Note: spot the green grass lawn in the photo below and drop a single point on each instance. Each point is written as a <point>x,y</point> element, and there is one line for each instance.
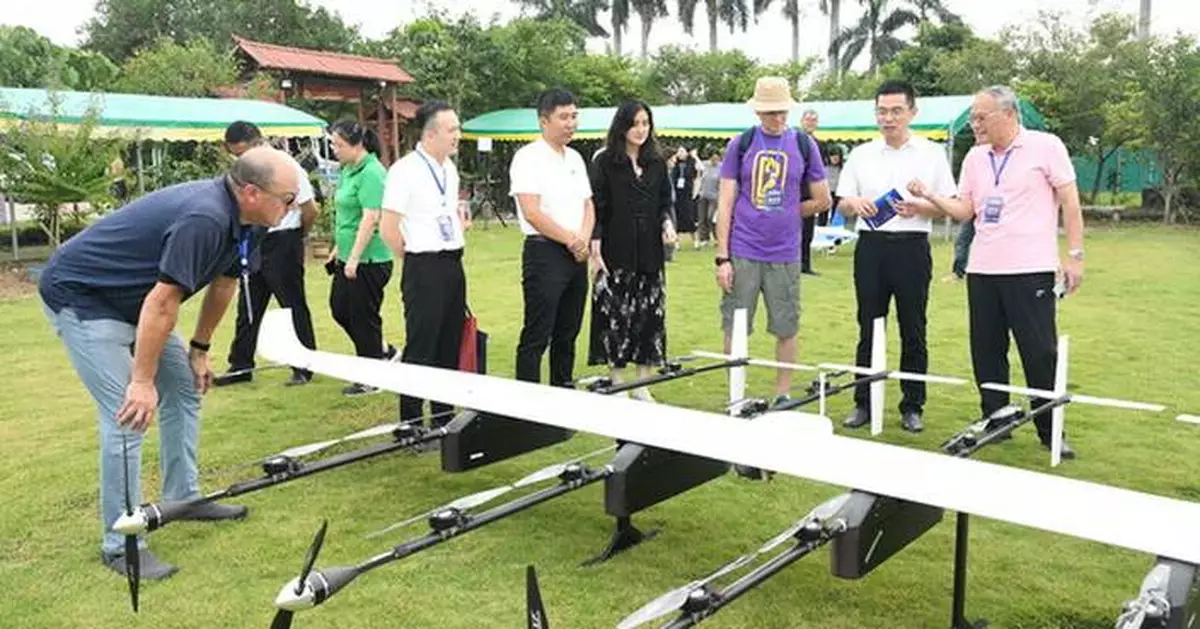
<point>1133,335</point>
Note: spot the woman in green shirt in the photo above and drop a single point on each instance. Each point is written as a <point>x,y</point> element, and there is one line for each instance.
<point>360,262</point>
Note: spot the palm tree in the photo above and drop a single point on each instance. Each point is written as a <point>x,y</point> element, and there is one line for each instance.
<point>585,13</point>
<point>936,8</point>
<point>1144,20</point>
<point>620,21</point>
<point>791,10</point>
<point>875,32</point>
<point>648,11</point>
<point>735,13</point>
<point>833,8</point>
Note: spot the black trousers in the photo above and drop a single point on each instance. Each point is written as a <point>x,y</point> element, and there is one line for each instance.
<point>1025,305</point>
<point>806,235</point>
<point>281,276</point>
<point>355,304</point>
<point>434,290</point>
<point>555,290</point>
<point>898,265</point>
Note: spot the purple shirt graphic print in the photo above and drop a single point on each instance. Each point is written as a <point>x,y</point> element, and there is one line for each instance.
<point>766,212</point>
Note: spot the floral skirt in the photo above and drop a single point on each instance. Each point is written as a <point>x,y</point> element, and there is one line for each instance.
<point>628,319</point>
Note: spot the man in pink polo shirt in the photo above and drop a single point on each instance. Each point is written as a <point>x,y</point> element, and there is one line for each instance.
<point>1012,184</point>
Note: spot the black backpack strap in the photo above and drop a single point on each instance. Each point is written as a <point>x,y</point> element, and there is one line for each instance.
<point>744,142</point>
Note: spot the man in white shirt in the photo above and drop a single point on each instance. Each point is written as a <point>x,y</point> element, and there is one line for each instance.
<point>281,273</point>
<point>423,223</point>
<point>554,206</point>
<point>892,257</point>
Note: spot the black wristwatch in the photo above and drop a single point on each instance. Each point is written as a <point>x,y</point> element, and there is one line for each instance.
<point>198,346</point>
<point>720,260</point>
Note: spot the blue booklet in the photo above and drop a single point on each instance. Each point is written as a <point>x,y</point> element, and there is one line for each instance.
<point>884,210</point>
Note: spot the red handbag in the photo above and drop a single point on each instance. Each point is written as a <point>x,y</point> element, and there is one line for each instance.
<point>472,351</point>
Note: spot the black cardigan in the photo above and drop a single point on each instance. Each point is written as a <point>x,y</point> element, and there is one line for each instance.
<point>630,211</point>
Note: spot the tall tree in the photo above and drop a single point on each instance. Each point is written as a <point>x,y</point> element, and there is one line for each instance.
<point>1169,104</point>
<point>935,8</point>
<point>791,11</point>
<point>169,69</point>
<point>122,27</point>
<point>585,13</point>
<point>734,13</point>
<point>620,21</point>
<point>874,32</point>
<point>649,11</point>
<point>833,9</point>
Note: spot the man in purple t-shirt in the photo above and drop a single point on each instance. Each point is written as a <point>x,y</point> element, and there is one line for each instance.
<point>759,214</point>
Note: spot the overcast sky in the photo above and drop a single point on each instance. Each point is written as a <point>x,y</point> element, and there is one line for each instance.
<point>769,40</point>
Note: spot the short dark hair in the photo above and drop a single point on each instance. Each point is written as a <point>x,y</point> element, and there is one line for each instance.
<point>427,112</point>
<point>897,87</point>
<point>552,99</point>
<point>242,131</point>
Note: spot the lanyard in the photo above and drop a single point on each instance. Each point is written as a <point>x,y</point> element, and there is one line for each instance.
<point>1003,163</point>
<point>440,184</point>
<point>244,256</point>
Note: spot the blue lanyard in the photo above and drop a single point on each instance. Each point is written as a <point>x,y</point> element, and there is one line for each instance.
<point>1003,163</point>
<point>244,256</point>
<point>441,186</point>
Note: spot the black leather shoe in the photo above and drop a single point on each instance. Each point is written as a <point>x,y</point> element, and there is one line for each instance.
<point>232,377</point>
<point>911,421</point>
<point>859,418</point>
<point>1066,451</point>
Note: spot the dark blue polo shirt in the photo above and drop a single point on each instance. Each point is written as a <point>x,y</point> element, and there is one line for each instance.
<point>186,235</point>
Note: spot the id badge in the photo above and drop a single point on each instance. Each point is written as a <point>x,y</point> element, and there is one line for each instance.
<point>679,184</point>
<point>773,200</point>
<point>992,208</point>
<point>446,228</point>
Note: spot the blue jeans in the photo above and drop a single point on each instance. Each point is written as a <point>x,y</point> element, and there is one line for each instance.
<point>101,351</point>
<point>962,247</point>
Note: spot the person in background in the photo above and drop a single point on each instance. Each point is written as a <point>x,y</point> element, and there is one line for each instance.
<point>281,272</point>
<point>360,262</point>
<point>632,194</point>
<point>833,173</point>
<point>706,205</point>
<point>684,172</point>
<point>809,121</point>
<point>423,224</point>
<point>549,181</point>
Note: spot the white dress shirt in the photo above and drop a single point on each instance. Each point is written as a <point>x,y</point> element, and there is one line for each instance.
<point>874,168</point>
<point>560,179</point>
<point>425,195</point>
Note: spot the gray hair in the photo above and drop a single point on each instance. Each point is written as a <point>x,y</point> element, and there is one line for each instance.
<point>808,111</point>
<point>1005,97</point>
<point>258,166</point>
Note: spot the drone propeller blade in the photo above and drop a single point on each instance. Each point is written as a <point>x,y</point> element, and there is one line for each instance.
<point>923,377</point>
<point>462,504</point>
<point>553,471</point>
<point>674,599</point>
<point>854,369</point>
<point>534,608</point>
<point>474,500</point>
<point>1083,399</point>
<point>1191,419</point>
<point>311,557</point>
<point>754,361</point>
<point>282,620</point>
<point>283,617</point>
<point>820,513</point>
<point>133,560</point>
<point>313,448</point>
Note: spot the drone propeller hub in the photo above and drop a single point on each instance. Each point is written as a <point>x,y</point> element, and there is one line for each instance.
<point>405,431</point>
<point>811,531</point>
<point>572,472</point>
<point>135,523</point>
<point>280,465</point>
<point>291,600</point>
<point>445,519</point>
<point>698,600</point>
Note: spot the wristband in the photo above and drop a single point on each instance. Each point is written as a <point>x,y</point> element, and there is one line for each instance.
<point>198,346</point>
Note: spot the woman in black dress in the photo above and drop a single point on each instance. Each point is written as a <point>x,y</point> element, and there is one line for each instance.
<point>683,176</point>
<point>632,194</point>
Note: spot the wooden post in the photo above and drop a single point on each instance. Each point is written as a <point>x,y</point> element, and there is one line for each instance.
<point>380,125</point>
<point>395,124</point>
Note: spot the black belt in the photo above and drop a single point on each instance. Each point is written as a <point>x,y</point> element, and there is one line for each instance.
<point>893,236</point>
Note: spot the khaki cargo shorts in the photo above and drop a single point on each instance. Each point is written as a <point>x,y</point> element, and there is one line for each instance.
<point>779,283</point>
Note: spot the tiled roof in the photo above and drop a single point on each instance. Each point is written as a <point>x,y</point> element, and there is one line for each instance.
<point>277,57</point>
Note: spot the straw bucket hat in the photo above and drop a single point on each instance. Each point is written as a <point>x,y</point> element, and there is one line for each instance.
<point>771,93</point>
